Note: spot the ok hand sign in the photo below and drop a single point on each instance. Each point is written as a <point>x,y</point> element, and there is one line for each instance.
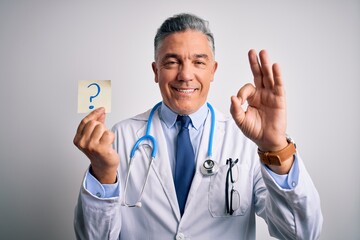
<point>264,120</point>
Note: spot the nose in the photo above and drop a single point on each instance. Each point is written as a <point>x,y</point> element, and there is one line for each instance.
<point>186,72</point>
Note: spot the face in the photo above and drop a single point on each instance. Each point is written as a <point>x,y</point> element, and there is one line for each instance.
<point>184,69</point>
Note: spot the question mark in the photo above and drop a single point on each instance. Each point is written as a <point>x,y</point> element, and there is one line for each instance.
<point>97,93</point>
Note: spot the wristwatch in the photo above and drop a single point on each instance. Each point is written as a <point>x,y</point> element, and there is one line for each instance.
<point>276,158</point>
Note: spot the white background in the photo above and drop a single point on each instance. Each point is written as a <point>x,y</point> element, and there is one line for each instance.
<point>47,46</point>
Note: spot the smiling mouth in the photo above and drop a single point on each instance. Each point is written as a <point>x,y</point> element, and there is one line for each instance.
<point>186,90</point>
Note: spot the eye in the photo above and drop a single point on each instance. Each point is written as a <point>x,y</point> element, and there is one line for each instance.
<point>171,63</point>
<point>200,63</point>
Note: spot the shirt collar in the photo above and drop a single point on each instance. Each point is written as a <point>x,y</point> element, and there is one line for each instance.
<point>169,117</point>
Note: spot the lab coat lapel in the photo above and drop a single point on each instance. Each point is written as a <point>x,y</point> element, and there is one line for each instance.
<point>161,164</point>
<point>203,155</point>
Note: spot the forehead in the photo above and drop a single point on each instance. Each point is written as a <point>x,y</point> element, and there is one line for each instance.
<point>186,42</point>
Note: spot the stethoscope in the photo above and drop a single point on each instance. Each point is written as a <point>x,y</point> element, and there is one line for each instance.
<point>208,168</point>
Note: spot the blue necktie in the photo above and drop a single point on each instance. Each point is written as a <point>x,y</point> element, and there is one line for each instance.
<point>185,162</point>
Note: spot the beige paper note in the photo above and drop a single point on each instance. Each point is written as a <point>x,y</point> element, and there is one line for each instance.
<point>93,94</point>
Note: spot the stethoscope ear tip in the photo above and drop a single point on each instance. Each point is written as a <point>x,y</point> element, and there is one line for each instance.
<point>138,204</point>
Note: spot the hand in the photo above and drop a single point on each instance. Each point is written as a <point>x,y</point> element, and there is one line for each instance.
<point>264,120</point>
<point>95,141</point>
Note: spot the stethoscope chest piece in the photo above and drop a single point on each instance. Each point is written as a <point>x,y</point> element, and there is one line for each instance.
<point>209,167</point>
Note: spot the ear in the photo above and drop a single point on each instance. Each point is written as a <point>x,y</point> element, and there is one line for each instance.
<point>214,69</point>
<point>155,70</point>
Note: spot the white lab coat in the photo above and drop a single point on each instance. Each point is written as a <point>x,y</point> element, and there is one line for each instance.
<point>290,214</point>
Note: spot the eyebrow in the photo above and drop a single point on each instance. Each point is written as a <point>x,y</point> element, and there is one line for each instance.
<point>170,55</point>
<point>177,56</point>
<point>202,55</point>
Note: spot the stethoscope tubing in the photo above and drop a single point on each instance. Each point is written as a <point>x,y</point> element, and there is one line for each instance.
<point>212,128</point>
<point>149,137</point>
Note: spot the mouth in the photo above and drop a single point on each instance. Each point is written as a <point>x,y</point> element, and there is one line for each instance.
<point>186,91</point>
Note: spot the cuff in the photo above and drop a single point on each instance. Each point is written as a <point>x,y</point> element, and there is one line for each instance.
<point>286,181</point>
<point>100,190</point>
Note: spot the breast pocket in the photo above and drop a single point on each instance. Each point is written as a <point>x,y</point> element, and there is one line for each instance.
<point>241,185</point>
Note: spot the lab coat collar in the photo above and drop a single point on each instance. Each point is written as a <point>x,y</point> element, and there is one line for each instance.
<point>169,117</point>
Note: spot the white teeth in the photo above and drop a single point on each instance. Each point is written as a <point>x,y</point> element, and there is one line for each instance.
<point>186,90</point>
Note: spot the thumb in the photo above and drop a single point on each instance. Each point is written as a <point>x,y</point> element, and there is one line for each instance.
<point>101,118</point>
<point>236,110</point>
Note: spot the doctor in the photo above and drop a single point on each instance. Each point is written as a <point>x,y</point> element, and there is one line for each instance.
<point>258,170</point>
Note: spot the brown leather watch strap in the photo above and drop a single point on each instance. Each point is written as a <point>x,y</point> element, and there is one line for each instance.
<point>276,158</point>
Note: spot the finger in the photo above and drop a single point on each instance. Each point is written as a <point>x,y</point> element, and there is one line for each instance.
<point>277,75</point>
<point>97,114</point>
<point>108,137</point>
<point>279,85</point>
<point>255,68</point>
<point>266,69</point>
<point>98,132</point>
<point>236,110</point>
<point>86,136</point>
<point>102,117</point>
<point>246,92</point>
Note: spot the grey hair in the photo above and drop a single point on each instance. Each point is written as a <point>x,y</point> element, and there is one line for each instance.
<point>180,23</point>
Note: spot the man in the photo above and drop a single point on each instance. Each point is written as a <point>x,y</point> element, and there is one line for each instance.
<point>214,205</point>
